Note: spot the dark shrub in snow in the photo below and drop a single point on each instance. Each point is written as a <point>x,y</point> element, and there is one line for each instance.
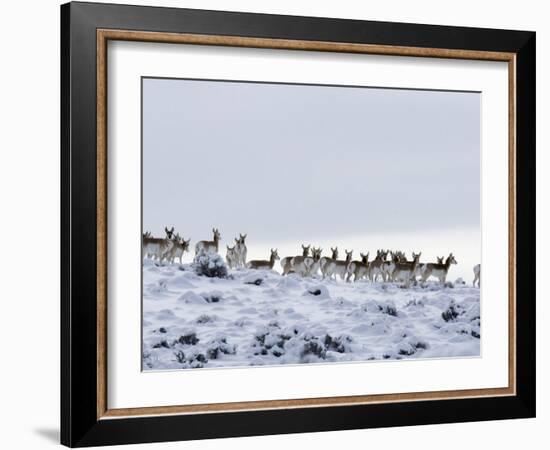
<point>421,345</point>
<point>188,339</point>
<point>452,312</point>
<point>180,356</point>
<point>193,360</point>
<point>314,347</point>
<point>209,265</point>
<point>163,344</point>
<point>212,297</point>
<point>204,318</point>
<point>219,346</point>
<point>415,302</point>
<point>407,351</point>
<point>338,344</point>
<point>411,347</point>
<point>388,309</point>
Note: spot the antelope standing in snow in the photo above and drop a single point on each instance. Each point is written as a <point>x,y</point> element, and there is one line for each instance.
<point>421,267</point>
<point>439,271</point>
<point>178,249</point>
<point>477,274</point>
<point>259,264</point>
<point>358,269</point>
<point>231,257</point>
<point>209,246</point>
<point>337,267</point>
<point>240,250</point>
<point>158,246</point>
<point>387,267</point>
<point>148,234</point>
<point>375,267</point>
<point>404,270</point>
<point>325,260</point>
<point>286,262</point>
<point>312,262</point>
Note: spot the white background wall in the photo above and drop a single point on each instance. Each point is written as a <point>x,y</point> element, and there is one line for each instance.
<point>29,199</point>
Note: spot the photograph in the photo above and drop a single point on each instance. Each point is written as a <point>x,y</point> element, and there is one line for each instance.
<point>287,223</point>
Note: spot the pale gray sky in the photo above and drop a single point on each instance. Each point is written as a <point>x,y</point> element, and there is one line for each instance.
<point>292,163</point>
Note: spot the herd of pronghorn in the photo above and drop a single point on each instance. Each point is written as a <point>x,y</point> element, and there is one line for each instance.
<point>310,262</point>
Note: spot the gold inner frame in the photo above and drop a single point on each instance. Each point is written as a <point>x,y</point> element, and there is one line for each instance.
<point>104,35</point>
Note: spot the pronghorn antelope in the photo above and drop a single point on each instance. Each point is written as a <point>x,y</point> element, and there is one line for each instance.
<point>337,267</point>
<point>178,249</point>
<point>375,267</point>
<point>477,274</point>
<point>325,260</point>
<point>299,264</point>
<point>240,250</point>
<point>359,269</point>
<point>158,246</point>
<point>259,264</point>
<point>209,246</point>
<point>387,266</point>
<point>148,234</point>
<point>312,262</point>
<point>439,270</point>
<point>405,270</point>
<point>421,267</point>
<point>286,262</point>
<point>231,257</point>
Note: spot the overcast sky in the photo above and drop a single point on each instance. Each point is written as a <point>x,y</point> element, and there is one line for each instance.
<point>294,163</point>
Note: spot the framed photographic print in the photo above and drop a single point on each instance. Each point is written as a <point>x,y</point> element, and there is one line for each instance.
<point>277,224</point>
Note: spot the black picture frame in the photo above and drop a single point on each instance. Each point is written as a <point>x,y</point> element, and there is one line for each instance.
<point>80,425</point>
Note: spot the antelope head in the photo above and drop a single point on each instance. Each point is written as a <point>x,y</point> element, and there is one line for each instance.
<point>274,255</point>
<point>305,250</point>
<point>440,259</point>
<point>185,244</point>
<point>169,233</point>
<point>364,258</point>
<point>349,255</point>
<point>217,235</point>
<point>316,253</point>
<point>334,252</point>
<point>451,259</point>
<point>416,256</point>
<point>242,237</point>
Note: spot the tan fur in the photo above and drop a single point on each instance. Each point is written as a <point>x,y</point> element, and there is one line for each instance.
<point>287,263</point>
<point>323,262</point>
<point>439,271</point>
<point>263,264</point>
<point>358,269</point>
<point>337,267</point>
<point>209,246</point>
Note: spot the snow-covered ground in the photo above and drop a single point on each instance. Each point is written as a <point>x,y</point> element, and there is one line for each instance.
<point>262,318</point>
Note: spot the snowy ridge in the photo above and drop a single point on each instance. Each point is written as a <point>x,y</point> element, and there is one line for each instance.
<point>262,318</point>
